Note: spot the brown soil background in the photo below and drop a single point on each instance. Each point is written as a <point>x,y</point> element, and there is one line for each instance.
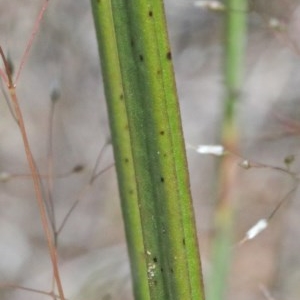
<point>91,246</point>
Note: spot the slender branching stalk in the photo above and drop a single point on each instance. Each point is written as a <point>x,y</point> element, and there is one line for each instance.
<point>31,39</point>
<point>35,176</point>
<point>6,75</point>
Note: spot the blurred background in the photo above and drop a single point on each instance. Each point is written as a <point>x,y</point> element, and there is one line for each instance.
<point>63,65</point>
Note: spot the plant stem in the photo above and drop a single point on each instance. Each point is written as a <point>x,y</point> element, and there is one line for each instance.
<point>149,149</point>
<point>235,39</point>
<point>35,178</point>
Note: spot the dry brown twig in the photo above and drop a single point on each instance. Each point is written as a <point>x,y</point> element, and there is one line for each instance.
<point>262,224</point>
<point>11,86</point>
<point>46,207</point>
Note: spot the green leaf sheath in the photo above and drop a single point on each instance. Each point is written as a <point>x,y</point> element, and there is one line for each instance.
<point>149,149</point>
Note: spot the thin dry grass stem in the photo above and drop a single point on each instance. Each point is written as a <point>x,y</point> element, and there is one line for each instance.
<point>284,199</point>
<point>246,164</point>
<point>7,100</point>
<point>76,169</point>
<point>218,150</point>
<point>50,177</point>
<point>46,208</point>
<point>102,172</point>
<point>35,176</point>
<point>98,160</point>
<point>87,187</point>
<point>263,223</point>
<point>31,39</point>
<point>3,76</point>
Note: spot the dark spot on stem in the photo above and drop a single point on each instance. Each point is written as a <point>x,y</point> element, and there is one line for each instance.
<point>126,160</point>
<point>169,55</point>
<point>121,97</point>
<point>158,72</point>
<point>141,57</point>
<point>155,259</point>
<point>155,282</point>
<point>183,242</point>
<point>150,13</point>
<point>162,270</point>
<point>132,42</point>
<point>162,179</point>
<point>161,132</point>
<point>172,271</point>
<point>131,192</point>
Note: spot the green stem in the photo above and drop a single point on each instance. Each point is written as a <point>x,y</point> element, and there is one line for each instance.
<point>149,149</point>
<point>235,39</point>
